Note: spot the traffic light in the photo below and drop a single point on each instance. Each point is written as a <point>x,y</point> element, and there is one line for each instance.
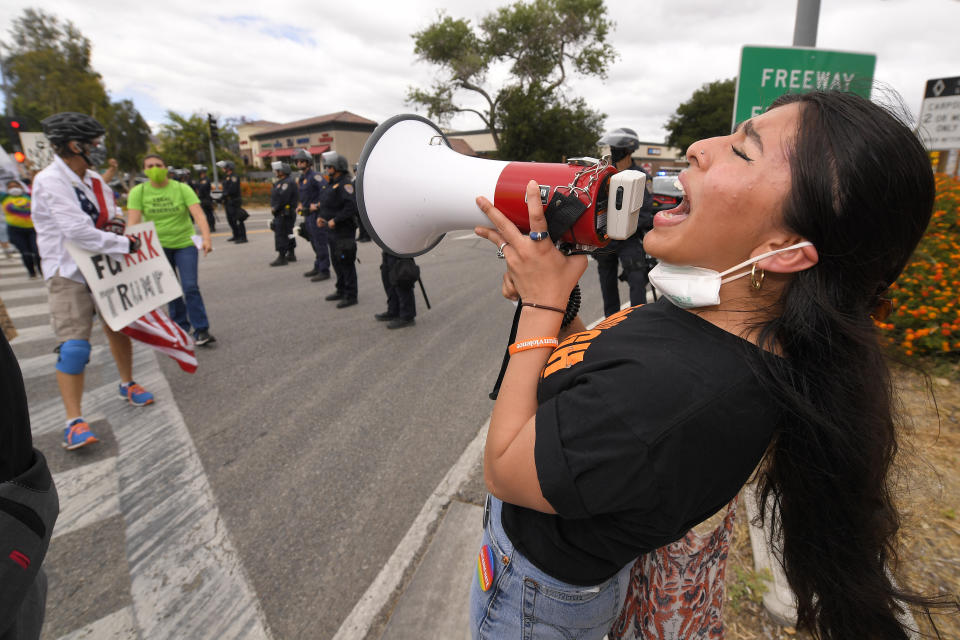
<point>12,126</point>
<point>213,128</point>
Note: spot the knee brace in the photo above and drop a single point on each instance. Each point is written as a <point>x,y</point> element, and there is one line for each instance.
<point>74,356</point>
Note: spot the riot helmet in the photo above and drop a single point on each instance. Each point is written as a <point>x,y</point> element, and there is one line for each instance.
<point>281,167</point>
<point>335,160</point>
<point>226,165</point>
<point>302,155</point>
<point>200,168</point>
<point>622,142</point>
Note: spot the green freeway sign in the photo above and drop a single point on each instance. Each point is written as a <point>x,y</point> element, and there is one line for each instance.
<point>769,72</point>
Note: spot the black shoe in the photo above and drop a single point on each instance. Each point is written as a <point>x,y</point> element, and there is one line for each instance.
<point>320,277</point>
<point>336,295</point>
<point>386,315</point>
<point>400,323</point>
<point>204,338</point>
<point>291,257</point>
<point>348,302</point>
<point>231,239</point>
<point>241,240</point>
<point>363,239</point>
<point>311,273</point>
<point>279,262</point>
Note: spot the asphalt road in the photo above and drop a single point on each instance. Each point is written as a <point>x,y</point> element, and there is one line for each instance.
<point>322,432</point>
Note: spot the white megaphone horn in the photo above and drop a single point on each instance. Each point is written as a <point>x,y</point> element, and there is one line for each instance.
<point>412,188</point>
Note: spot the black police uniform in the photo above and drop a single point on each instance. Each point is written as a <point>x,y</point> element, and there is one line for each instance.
<point>309,185</point>
<point>283,204</point>
<point>401,301</point>
<point>232,203</point>
<point>338,203</point>
<point>206,201</point>
<point>630,255</point>
<point>362,234</point>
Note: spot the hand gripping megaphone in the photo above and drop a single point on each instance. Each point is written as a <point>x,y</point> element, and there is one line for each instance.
<point>412,188</point>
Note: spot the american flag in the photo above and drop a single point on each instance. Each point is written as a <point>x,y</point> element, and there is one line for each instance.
<point>164,335</point>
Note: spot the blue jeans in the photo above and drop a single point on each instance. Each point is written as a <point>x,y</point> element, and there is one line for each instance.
<point>526,603</point>
<point>184,263</point>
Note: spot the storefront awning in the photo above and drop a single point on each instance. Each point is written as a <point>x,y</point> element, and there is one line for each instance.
<point>319,149</point>
<point>263,154</point>
<point>283,153</point>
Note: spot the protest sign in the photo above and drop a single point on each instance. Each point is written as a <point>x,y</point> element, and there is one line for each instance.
<point>132,286</point>
<point>37,148</point>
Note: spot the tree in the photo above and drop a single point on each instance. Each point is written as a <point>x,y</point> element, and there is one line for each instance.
<point>706,114</point>
<point>48,70</point>
<point>184,141</point>
<point>47,67</point>
<point>128,135</point>
<point>541,40</point>
<point>540,127</point>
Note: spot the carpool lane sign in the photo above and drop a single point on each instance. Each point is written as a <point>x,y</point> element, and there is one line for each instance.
<point>940,114</point>
<point>767,73</point>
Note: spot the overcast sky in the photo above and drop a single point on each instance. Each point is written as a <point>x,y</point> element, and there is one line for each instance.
<point>290,60</point>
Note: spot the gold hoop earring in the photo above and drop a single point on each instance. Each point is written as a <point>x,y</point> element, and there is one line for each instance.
<point>754,281</point>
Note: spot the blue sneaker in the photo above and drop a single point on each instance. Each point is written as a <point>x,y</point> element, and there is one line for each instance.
<point>77,435</point>
<point>135,394</point>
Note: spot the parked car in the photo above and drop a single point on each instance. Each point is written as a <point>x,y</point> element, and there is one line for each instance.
<point>665,193</point>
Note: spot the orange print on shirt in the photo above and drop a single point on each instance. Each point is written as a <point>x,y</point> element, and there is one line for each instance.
<point>570,351</point>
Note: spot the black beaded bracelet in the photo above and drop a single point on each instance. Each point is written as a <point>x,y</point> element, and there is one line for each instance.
<point>542,306</point>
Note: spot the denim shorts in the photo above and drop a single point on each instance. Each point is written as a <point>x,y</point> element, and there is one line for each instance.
<point>526,603</point>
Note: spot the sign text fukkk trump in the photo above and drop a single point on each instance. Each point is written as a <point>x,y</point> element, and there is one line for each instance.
<point>130,286</point>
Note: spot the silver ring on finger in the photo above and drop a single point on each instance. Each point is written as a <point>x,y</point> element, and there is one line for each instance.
<point>500,250</point>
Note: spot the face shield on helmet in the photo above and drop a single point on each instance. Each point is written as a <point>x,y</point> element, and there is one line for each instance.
<point>622,142</point>
<point>332,159</point>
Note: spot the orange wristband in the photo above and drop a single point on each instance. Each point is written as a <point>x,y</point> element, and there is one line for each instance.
<point>533,343</point>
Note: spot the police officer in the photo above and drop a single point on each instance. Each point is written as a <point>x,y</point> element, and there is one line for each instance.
<point>283,204</point>
<point>309,184</point>
<point>233,202</point>
<point>203,189</point>
<point>362,234</point>
<point>338,210</point>
<point>398,276</point>
<point>628,253</point>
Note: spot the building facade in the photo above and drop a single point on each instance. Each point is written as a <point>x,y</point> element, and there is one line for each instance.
<point>343,132</point>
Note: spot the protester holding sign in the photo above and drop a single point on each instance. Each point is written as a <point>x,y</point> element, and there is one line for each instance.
<point>170,205</point>
<point>71,203</point>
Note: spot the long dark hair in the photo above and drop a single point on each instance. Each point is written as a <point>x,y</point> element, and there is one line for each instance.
<point>862,191</point>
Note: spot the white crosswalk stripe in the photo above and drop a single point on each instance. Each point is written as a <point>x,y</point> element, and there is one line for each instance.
<point>87,494</point>
<point>17,294</point>
<point>24,311</point>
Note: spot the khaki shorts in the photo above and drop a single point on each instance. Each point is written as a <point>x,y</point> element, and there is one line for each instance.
<point>71,309</point>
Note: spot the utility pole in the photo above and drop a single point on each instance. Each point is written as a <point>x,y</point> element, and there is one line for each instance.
<point>805,27</point>
<point>213,138</point>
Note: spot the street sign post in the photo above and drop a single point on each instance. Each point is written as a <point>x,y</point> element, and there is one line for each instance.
<point>767,73</point>
<point>940,114</point>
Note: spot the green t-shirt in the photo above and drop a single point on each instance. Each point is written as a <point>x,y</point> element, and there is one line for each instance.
<point>167,207</point>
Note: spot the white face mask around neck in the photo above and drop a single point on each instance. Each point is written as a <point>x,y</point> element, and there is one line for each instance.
<point>692,287</point>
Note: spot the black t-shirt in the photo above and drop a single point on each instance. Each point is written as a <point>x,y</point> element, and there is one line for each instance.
<point>647,425</point>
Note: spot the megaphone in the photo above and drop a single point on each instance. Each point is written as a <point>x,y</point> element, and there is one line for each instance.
<point>412,188</point>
